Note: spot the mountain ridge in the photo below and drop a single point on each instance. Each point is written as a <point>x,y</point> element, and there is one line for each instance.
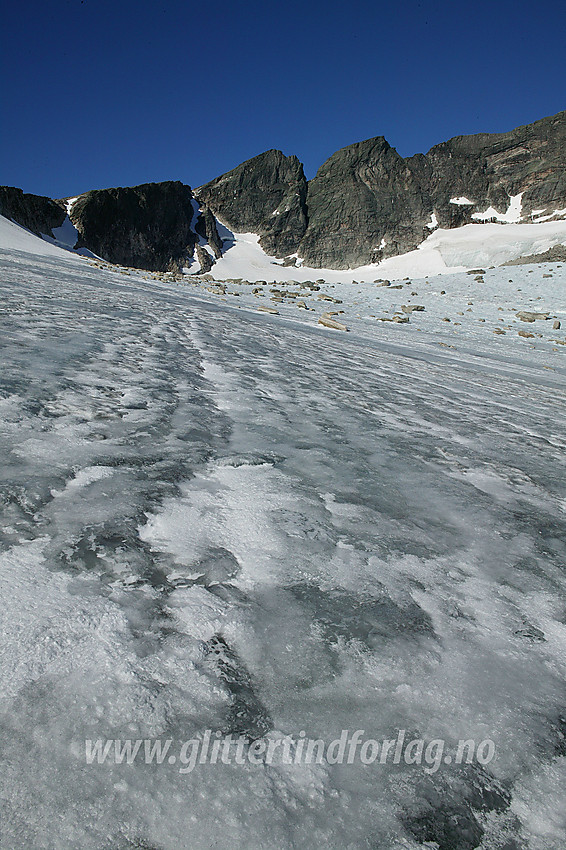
<point>365,203</point>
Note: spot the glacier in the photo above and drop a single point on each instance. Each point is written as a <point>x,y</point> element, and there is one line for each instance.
<point>219,519</point>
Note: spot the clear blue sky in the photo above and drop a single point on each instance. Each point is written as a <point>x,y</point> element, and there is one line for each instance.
<point>97,93</point>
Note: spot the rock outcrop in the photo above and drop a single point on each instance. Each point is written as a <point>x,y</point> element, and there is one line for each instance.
<point>363,205</point>
<point>205,260</point>
<point>489,168</point>
<point>146,226</point>
<point>367,202</point>
<point>206,227</point>
<point>36,212</point>
<point>265,195</point>
<point>556,254</point>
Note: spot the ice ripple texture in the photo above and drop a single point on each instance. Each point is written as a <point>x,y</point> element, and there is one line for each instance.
<point>214,520</point>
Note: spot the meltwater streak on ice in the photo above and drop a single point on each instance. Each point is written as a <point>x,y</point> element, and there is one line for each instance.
<point>329,539</point>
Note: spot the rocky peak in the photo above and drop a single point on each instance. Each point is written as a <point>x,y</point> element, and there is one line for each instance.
<point>489,168</point>
<point>146,226</point>
<point>36,212</point>
<point>206,228</point>
<point>363,204</point>
<point>264,195</point>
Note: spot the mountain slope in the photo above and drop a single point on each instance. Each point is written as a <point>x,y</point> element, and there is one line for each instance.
<point>34,212</point>
<point>365,205</point>
<point>489,168</point>
<point>266,195</point>
<point>147,226</point>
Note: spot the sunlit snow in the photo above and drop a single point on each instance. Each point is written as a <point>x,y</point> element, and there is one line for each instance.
<point>443,252</point>
<point>510,216</point>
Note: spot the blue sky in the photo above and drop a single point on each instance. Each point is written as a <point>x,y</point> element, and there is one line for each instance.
<point>98,93</point>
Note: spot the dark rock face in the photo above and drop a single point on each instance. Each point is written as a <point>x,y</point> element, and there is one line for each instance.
<point>363,194</point>
<point>490,167</point>
<point>367,202</point>
<point>206,227</point>
<point>264,195</point>
<point>37,213</point>
<point>147,226</point>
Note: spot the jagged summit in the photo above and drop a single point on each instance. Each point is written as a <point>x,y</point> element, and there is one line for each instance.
<point>266,195</point>
<point>365,204</point>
